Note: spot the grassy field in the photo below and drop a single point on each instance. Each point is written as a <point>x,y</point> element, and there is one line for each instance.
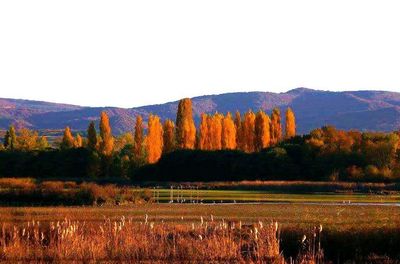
<point>349,231</point>
<point>355,224</point>
<point>331,216</point>
<point>218,196</point>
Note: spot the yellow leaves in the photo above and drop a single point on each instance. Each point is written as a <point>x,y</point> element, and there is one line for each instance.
<point>67,140</point>
<point>204,137</point>
<point>276,126</point>
<point>107,140</point>
<point>290,124</point>
<point>248,126</point>
<point>27,140</point>
<point>228,133</point>
<point>168,136</point>
<point>138,145</point>
<point>154,140</point>
<point>217,132</point>
<point>185,128</point>
<point>262,131</point>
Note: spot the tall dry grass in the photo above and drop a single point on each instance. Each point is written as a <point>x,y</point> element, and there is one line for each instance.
<point>129,241</point>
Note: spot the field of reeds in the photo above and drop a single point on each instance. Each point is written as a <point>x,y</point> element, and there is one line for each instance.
<point>124,240</point>
<point>186,222</point>
<point>206,233</point>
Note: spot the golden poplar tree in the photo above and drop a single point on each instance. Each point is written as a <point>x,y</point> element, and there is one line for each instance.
<point>248,131</point>
<point>290,130</point>
<point>168,136</point>
<point>228,132</point>
<point>185,128</point>
<point>42,143</point>
<point>78,143</point>
<point>154,140</point>
<point>138,138</point>
<point>92,137</point>
<point>10,139</point>
<point>215,131</point>
<point>27,140</point>
<point>67,140</point>
<point>107,140</point>
<point>239,131</point>
<point>204,132</point>
<point>276,126</point>
<point>262,131</point>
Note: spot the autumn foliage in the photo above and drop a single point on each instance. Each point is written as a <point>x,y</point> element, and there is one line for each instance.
<point>149,140</point>
<point>185,127</point>
<point>154,140</point>
<point>107,140</point>
<point>169,143</point>
<point>290,124</point>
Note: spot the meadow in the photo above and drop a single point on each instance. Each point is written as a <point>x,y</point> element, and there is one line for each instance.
<point>318,222</point>
<point>350,232</point>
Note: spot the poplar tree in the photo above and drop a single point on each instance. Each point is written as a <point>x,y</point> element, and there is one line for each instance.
<point>228,133</point>
<point>262,131</point>
<point>290,130</point>
<point>78,143</point>
<point>67,140</point>
<point>92,137</point>
<point>154,144</point>
<point>10,139</point>
<point>276,127</point>
<point>239,131</point>
<point>168,136</point>
<point>138,138</point>
<point>203,132</point>
<point>215,131</point>
<point>107,140</point>
<point>185,128</point>
<point>248,131</point>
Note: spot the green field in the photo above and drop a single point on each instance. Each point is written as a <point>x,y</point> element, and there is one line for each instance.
<point>231,196</point>
<point>341,216</point>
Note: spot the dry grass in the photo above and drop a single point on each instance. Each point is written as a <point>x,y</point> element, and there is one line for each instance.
<point>128,241</point>
<point>17,183</point>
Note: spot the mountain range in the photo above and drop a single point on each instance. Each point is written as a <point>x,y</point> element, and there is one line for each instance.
<point>363,110</point>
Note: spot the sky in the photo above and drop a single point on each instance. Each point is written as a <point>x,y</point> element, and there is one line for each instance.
<point>133,53</point>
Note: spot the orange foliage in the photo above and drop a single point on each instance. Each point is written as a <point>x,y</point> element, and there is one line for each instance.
<point>185,128</point>
<point>239,131</point>
<point>276,126</point>
<point>290,124</point>
<point>204,137</point>
<point>168,136</point>
<point>154,140</point>
<point>228,133</point>
<point>248,125</point>
<point>138,146</point>
<point>262,131</point>
<point>215,131</point>
<point>107,140</point>
<point>67,140</point>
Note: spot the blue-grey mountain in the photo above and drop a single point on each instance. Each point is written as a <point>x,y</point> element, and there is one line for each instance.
<point>363,110</point>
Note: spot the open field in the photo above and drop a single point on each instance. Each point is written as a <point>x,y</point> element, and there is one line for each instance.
<point>219,196</point>
<point>331,216</point>
<point>348,231</point>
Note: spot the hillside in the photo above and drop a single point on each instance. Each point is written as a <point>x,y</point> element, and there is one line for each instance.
<point>364,110</point>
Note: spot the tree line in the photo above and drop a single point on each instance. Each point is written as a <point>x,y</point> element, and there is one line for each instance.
<point>250,132</point>
<point>248,146</point>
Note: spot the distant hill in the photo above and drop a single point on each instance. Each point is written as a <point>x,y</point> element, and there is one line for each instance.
<point>363,110</point>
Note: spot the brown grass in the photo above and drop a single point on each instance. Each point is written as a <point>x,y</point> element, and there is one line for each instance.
<point>128,241</point>
<point>17,183</point>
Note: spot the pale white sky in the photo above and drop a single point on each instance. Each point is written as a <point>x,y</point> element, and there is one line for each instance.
<point>131,53</point>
